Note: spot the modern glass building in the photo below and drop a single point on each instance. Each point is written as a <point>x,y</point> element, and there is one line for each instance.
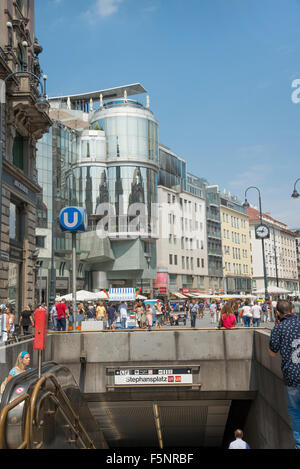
<point>106,160</point>
<point>172,172</point>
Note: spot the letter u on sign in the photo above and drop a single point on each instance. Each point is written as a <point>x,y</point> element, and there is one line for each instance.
<point>68,221</point>
<point>73,219</point>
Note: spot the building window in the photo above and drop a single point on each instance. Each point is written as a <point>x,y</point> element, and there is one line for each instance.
<point>62,269</point>
<point>40,241</point>
<point>175,260</point>
<point>18,151</point>
<point>170,259</point>
<point>15,223</point>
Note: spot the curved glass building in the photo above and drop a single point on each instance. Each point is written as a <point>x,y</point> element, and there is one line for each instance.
<point>113,174</point>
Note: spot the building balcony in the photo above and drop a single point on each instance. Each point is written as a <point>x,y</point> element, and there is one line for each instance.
<point>214,234</point>
<point>215,252</point>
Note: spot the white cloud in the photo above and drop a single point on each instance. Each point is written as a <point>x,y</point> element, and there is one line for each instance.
<point>106,8</point>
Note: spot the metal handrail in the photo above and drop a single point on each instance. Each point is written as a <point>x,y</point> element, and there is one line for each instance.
<point>77,428</point>
<point>3,418</point>
<point>33,415</point>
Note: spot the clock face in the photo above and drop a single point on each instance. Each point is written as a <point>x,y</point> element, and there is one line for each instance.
<point>262,231</point>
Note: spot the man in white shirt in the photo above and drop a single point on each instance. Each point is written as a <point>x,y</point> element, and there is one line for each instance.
<point>257,312</point>
<point>239,443</point>
<point>123,315</point>
<point>213,312</point>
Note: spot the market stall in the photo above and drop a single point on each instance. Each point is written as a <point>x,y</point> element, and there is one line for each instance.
<point>128,295</point>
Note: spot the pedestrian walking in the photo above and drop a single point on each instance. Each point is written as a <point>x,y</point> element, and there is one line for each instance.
<point>285,338</point>
<point>100,312</point>
<point>257,313</point>
<point>123,315</point>
<point>26,320</point>
<point>4,325</point>
<point>11,322</point>
<point>239,443</point>
<point>296,304</point>
<point>158,315</point>
<point>62,315</point>
<point>213,313</point>
<point>235,309</point>
<point>111,316</point>
<point>149,316</point>
<point>201,310</point>
<point>53,316</point>
<point>246,313</point>
<point>265,313</point>
<point>194,309</point>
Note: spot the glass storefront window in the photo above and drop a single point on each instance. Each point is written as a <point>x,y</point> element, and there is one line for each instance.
<point>13,285</point>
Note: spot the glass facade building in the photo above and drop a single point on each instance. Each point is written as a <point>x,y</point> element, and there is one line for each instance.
<point>102,158</point>
<point>172,169</point>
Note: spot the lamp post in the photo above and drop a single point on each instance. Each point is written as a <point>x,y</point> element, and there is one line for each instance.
<point>41,104</point>
<point>295,193</point>
<point>247,205</point>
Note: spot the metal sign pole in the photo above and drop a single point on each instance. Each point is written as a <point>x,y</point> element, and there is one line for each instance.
<point>74,272</point>
<point>40,361</point>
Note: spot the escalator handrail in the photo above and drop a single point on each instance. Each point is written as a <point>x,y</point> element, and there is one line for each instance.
<point>3,417</point>
<point>78,428</point>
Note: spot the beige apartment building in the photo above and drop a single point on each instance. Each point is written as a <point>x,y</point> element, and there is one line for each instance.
<point>236,245</point>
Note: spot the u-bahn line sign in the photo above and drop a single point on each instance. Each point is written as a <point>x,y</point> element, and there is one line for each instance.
<point>153,377</point>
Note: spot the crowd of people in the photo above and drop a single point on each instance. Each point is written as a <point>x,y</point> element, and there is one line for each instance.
<point>222,314</point>
<point>284,338</point>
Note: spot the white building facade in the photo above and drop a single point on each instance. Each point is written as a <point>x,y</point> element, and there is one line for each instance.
<point>182,246</point>
<point>280,254</point>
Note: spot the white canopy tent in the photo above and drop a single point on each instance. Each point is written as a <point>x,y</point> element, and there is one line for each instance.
<point>83,295</point>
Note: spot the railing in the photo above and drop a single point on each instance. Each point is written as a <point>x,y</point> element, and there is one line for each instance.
<point>3,418</point>
<point>33,415</point>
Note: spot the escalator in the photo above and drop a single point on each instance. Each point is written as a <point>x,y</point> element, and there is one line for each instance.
<point>47,413</point>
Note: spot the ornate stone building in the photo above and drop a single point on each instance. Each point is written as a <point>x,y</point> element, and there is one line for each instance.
<point>22,125</point>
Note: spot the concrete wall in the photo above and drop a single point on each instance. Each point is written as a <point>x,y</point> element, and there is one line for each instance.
<point>268,423</point>
<point>234,361</point>
<point>224,357</point>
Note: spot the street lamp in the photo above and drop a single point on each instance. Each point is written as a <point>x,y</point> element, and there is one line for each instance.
<point>41,104</point>
<point>295,193</point>
<point>262,236</point>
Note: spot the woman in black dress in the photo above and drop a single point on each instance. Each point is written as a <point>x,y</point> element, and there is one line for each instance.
<point>26,320</point>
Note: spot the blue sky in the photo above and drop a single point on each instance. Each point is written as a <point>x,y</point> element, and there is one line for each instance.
<point>219,74</point>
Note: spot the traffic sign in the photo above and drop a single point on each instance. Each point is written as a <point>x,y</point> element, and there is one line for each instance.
<point>73,219</point>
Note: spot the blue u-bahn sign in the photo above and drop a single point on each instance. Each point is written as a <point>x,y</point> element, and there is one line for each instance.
<point>73,219</point>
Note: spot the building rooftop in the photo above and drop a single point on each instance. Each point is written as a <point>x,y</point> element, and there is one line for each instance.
<point>254,215</point>
<point>109,93</point>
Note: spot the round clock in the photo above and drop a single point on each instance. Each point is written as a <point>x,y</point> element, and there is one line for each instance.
<point>262,231</point>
